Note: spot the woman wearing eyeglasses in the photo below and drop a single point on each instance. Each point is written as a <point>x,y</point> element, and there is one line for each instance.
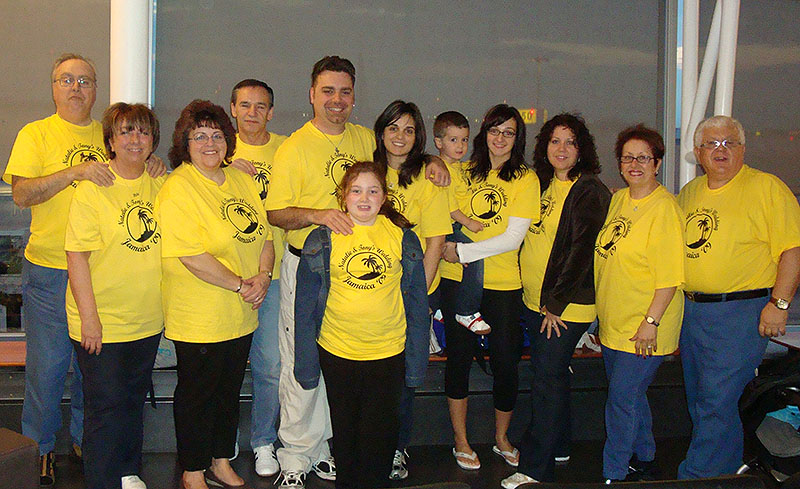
<point>217,262</point>
<point>638,266</point>
<point>503,194</point>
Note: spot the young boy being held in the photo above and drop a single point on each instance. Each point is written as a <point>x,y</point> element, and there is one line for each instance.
<point>451,137</point>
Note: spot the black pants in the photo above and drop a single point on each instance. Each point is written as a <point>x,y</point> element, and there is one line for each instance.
<point>115,385</point>
<point>206,405</point>
<point>364,398</point>
<point>550,397</point>
<point>502,310</point>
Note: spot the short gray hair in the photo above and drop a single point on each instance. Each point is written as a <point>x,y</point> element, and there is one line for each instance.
<point>68,56</point>
<point>715,122</point>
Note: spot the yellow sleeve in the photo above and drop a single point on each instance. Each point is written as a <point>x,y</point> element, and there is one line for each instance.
<point>526,204</point>
<point>436,220</point>
<point>781,217</point>
<point>83,226</point>
<point>665,246</point>
<point>26,158</point>
<point>181,233</point>
<point>285,185</point>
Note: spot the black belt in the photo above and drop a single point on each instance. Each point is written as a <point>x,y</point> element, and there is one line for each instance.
<point>730,296</point>
<point>296,252</point>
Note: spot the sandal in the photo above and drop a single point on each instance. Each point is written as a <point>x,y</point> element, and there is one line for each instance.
<point>474,323</point>
<point>511,458</point>
<point>461,460</point>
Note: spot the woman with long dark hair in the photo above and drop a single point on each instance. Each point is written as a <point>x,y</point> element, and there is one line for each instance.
<point>503,194</point>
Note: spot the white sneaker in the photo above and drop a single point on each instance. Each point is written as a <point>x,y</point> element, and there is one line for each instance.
<point>325,469</point>
<point>399,466</point>
<point>291,479</point>
<point>433,344</point>
<point>474,323</point>
<point>133,482</point>
<point>562,459</point>
<point>266,461</point>
<point>438,315</point>
<point>516,479</point>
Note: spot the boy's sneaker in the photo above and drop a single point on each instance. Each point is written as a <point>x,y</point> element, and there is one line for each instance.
<point>325,469</point>
<point>399,466</point>
<point>266,461</point>
<point>474,323</point>
<point>132,482</point>
<point>47,470</point>
<point>643,471</point>
<point>291,479</point>
<point>517,479</point>
<point>433,344</point>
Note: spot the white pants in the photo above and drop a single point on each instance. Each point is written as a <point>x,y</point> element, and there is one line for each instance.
<point>305,422</point>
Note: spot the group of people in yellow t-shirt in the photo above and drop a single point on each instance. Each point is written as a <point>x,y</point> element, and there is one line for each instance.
<point>381,235</point>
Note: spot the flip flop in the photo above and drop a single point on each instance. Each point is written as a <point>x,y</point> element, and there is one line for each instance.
<point>467,456</point>
<point>511,458</point>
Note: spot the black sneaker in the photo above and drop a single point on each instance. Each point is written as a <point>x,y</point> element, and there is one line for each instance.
<point>639,470</point>
<point>47,470</point>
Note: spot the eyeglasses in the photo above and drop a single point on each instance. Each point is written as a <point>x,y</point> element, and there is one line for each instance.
<point>508,133</point>
<point>643,159</point>
<point>202,138</point>
<point>67,81</point>
<point>714,144</point>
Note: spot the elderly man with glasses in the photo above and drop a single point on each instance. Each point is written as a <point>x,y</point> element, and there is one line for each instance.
<point>48,157</point>
<point>742,271</point>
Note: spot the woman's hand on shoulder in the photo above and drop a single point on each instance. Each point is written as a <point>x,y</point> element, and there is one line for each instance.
<point>436,171</point>
<point>244,165</point>
<point>645,339</point>
<point>551,323</point>
<point>92,336</point>
<point>155,166</point>
<point>255,288</point>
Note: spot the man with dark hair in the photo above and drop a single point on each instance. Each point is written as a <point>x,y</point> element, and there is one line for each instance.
<point>48,158</point>
<point>252,104</point>
<point>742,270</point>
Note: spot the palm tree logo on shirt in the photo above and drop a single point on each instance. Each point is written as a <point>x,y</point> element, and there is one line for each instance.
<point>262,178</point>
<point>336,166</point>
<point>81,153</point>
<point>243,217</point>
<point>611,233</point>
<point>546,207</point>
<point>140,223</point>
<point>486,203</point>
<point>699,227</point>
<point>363,266</point>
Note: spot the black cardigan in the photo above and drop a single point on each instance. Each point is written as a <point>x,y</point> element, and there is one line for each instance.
<point>569,276</point>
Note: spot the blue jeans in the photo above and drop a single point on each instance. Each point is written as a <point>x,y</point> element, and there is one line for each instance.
<point>470,290</point>
<point>720,350</point>
<point>629,424</point>
<point>548,434</point>
<point>265,367</point>
<point>115,385</point>
<point>48,358</point>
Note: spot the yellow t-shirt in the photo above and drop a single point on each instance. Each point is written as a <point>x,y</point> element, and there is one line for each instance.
<point>457,190</point>
<point>492,202</point>
<point>639,249</point>
<point>535,253</point>
<point>308,167</point>
<point>228,222</point>
<point>116,224</point>
<point>735,234</point>
<point>262,157</point>
<point>42,148</point>
<point>364,316</point>
<point>425,205</point>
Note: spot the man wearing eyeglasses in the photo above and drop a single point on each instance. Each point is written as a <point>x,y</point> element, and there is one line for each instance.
<point>49,156</point>
<point>742,271</point>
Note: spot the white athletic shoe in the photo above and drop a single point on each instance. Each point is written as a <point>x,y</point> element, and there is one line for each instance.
<point>516,479</point>
<point>291,479</point>
<point>399,466</point>
<point>433,345</point>
<point>133,482</point>
<point>325,469</point>
<point>474,323</point>
<point>266,461</point>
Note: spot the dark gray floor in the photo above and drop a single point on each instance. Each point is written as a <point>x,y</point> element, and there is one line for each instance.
<point>428,464</point>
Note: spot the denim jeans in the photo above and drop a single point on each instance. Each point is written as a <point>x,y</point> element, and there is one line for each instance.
<point>548,433</point>
<point>115,385</point>
<point>470,290</point>
<point>629,423</point>
<point>265,367</point>
<point>720,350</point>
<point>48,358</point>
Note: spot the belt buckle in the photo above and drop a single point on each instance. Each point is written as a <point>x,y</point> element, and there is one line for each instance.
<point>689,295</point>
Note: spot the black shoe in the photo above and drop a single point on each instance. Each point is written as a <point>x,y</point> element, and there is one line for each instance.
<point>639,470</point>
<point>47,470</point>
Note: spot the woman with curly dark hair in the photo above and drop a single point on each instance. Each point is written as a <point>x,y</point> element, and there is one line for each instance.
<point>217,261</point>
<point>558,284</point>
<point>503,194</point>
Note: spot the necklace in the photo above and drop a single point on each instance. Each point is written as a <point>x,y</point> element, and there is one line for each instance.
<point>335,146</point>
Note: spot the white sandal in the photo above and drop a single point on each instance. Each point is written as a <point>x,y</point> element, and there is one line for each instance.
<point>469,456</point>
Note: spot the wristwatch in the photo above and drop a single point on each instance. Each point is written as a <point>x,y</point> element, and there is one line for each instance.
<point>781,304</point>
<point>651,320</point>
